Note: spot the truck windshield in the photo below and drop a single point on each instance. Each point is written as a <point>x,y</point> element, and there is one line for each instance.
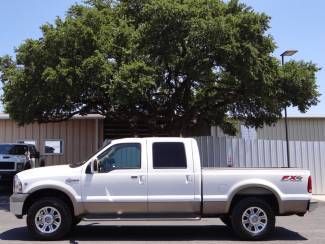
<point>13,149</point>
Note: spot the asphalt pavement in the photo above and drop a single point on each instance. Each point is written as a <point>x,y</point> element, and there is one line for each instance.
<point>292,229</point>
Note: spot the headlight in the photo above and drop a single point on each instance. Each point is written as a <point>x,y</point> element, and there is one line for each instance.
<point>20,166</point>
<point>18,186</point>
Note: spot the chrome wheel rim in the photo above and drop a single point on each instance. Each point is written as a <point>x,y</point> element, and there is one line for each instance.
<point>254,220</point>
<point>48,220</point>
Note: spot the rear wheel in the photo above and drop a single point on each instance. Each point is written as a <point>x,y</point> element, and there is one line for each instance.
<point>253,219</point>
<point>49,219</point>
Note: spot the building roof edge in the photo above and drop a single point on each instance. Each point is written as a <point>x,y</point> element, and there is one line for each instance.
<point>78,116</point>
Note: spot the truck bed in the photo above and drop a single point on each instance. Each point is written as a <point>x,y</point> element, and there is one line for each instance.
<point>288,186</point>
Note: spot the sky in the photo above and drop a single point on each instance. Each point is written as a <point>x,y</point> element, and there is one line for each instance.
<point>299,25</point>
<point>295,24</point>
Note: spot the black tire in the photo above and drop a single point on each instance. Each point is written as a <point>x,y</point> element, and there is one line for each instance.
<point>238,213</point>
<point>64,211</point>
<point>76,220</point>
<point>227,221</point>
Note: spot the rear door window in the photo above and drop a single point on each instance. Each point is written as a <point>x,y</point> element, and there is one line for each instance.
<point>168,155</point>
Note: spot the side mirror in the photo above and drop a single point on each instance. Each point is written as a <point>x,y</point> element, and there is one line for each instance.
<point>94,167</point>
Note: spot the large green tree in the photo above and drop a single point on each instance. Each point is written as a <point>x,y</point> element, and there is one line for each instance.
<point>172,64</point>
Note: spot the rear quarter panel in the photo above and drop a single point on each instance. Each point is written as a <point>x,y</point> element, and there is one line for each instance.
<point>221,185</point>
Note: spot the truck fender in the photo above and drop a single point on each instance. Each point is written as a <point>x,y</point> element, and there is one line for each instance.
<point>253,183</point>
<point>54,185</point>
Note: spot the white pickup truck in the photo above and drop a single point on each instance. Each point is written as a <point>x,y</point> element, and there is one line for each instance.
<point>157,178</point>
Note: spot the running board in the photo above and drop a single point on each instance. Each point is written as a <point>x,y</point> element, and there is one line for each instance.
<point>140,219</point>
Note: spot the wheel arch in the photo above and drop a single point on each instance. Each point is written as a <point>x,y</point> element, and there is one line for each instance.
<point>52,192</point>
<point>256,190</point>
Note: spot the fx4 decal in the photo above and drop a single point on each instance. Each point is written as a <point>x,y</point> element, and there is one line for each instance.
<point>292,178</point>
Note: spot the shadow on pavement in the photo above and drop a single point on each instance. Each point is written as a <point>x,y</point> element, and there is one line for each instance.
<point>149,233</point>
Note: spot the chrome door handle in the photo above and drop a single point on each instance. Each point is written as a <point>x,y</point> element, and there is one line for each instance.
<point>141,179</point>
<point>188,179</point>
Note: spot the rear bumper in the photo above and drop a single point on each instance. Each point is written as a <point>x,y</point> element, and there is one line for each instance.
<point>17,204</point>
<point>291,207</point>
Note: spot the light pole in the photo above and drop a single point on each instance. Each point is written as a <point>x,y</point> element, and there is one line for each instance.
<point>287,53</point>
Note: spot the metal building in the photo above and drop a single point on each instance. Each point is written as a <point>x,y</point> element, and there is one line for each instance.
<point>266,147</point>
<point>64,142</point>
<point>300,128</point>
<point>257,153</point>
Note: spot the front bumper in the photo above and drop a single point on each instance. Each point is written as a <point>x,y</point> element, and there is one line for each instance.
<point>17,203</point>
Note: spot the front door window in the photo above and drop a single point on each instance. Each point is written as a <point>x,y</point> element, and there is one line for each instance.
<point>120,156</point>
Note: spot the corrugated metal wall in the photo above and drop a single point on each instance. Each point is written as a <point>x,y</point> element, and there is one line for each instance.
<point>236,152</point>
<point>78,135</point>
<point>299,129</point>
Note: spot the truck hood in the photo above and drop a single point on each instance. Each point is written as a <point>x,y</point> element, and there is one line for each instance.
<point>50,173</point>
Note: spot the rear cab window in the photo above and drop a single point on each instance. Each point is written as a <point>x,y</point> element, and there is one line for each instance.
<point>169,155</point>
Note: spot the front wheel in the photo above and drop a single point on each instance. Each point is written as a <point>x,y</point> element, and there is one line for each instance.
<point>49,219</point>
<point>253,219</point>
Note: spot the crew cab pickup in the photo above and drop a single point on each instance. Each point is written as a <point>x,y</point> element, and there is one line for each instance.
<point>156,178</point>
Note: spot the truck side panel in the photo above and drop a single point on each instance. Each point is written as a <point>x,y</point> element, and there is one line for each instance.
<point>220,186</point>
